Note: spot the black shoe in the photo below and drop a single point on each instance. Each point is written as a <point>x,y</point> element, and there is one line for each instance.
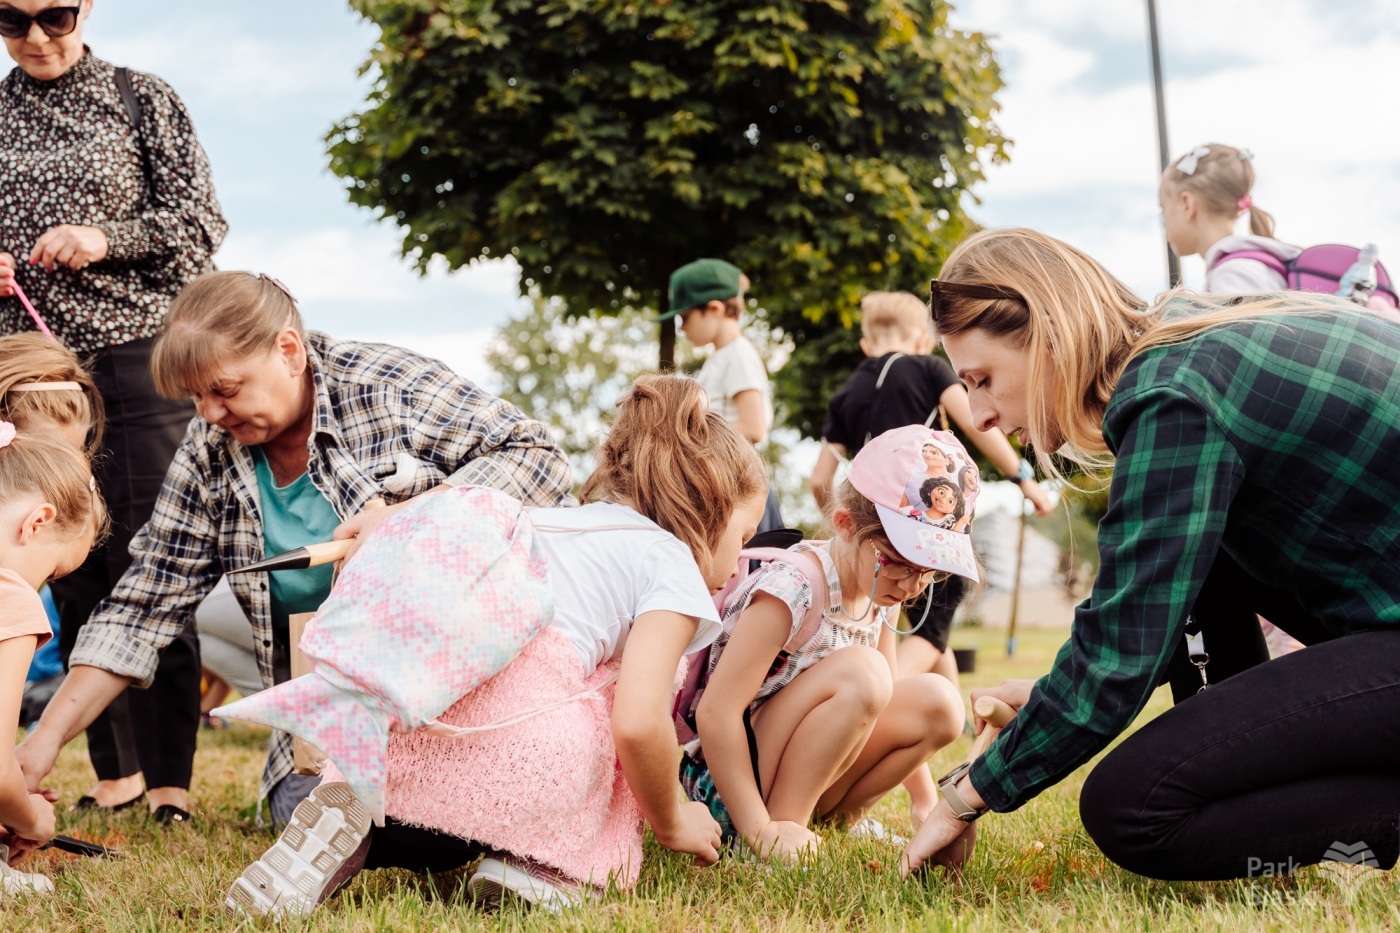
<point>167,814</point>
<point>90,803</point>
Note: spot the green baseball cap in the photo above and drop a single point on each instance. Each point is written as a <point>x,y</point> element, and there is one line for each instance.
<point>701,281</point>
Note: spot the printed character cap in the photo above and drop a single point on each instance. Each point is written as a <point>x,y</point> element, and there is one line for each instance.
<point>701,281</point>
<point>916,478</point>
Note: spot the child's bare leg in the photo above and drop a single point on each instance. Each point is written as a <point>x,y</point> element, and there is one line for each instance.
<point>813,729</point>
<point>924,715</point>
<point>919,656</point>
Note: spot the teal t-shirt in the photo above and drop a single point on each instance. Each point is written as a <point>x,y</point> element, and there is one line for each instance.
<point>293,516</point>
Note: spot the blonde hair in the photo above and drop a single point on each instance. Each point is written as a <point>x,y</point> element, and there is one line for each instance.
<point>676,462</point>
<point>60,473</point>
<point>1222,179</point>
<point>30,358</point>
<point>864,517</point>
<point>889,316</point>
<point>1080,327</point>
<point>218,317</point>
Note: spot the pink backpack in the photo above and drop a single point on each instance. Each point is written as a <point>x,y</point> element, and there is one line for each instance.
<point>698,674</point>
<point>1319,269</point>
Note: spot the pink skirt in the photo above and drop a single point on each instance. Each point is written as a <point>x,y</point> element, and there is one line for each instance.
<point>549,788</point>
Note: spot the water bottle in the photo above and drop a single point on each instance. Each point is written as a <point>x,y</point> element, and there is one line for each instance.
<point>1359,281</point>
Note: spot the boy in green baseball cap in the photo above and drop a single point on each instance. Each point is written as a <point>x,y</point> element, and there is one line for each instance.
<point>708,297</point>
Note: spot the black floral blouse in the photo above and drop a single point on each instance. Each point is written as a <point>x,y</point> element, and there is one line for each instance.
<point>69,155</point>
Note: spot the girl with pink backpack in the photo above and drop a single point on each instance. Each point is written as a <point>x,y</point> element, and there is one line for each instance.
<point>801,714</point>
<point>497,681</point>
<point>1205,192</point>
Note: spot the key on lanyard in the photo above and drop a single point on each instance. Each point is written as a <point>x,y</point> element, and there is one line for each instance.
<point>1196,649</point>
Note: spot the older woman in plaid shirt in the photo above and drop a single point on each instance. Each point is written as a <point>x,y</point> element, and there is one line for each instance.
<point>299,432</point>
<point>1255,444</point>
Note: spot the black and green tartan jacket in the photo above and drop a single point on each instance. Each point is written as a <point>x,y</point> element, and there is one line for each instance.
<point>1276,442</point>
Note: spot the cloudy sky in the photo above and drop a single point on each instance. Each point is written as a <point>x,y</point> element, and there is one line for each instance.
<point>1308,85</point>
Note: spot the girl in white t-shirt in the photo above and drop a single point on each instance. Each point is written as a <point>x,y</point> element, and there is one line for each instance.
<point>50,515</point>
<point>556,799</point>
<point>792,725</point>
<point>1203,194</point>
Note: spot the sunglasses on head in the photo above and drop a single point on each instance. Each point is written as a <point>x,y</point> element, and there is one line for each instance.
<point>56,21</point>
<point>939,289</point>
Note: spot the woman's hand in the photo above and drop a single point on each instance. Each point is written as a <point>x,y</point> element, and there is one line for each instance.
<point>1037,496</point>
<point>783,839</point>
<point>695,832</point>
<point>942,839</point>
<point>1014,693</point>
<point>69,245</point>
<point>7,275</point>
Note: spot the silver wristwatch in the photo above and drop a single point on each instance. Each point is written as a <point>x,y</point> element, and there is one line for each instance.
<point>948,787</point>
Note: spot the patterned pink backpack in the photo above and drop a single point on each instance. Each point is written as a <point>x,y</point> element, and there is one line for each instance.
<point>698,674</point>
<point>1320,269</point>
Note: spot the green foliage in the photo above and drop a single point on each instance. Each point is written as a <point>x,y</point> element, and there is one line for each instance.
<point>822,145</point>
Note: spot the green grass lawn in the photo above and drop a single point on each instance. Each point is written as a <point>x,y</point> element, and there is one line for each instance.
<point>1033,869</point>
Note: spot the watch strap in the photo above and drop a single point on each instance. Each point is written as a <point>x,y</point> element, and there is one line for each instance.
<point>948,787</point>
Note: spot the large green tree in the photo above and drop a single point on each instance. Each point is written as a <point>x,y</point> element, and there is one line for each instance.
<point>823,145</point>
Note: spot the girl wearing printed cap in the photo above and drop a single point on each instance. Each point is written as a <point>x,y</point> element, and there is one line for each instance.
<point>826,729</point>
<point>1254,448</point>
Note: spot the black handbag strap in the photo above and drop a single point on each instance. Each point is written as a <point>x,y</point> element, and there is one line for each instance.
<point>133,110</point>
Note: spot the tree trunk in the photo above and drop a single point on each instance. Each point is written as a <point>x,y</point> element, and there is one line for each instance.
<point>667,359</point>
<point>668,346</point>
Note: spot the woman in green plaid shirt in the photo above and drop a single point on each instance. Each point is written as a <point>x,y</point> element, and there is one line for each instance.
<point>1255,445</point>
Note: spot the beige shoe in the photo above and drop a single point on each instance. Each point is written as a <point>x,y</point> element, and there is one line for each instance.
<point>318,853</point>
<point>497,881</point>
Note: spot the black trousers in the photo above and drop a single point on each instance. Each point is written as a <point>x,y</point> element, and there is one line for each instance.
<point>396,845</point>
<point>1275,766</point>
<point>151,731</point>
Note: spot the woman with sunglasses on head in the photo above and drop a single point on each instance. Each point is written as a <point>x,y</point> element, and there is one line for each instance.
<point>1254,445</point>
<point>107,209</point>
<point>803,712</point>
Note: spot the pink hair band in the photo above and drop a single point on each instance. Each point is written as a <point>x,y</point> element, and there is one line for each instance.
<point>46,387</point>
<point>1245,203</point>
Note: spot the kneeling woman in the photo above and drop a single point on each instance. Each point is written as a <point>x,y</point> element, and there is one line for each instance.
<point>555,788</point>
<point>1256,470</point>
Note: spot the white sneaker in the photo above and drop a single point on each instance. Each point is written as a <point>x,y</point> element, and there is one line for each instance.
<point>496,881</point>
<point>321,849</point>
<point>21,882</point>
<point>871,828</point>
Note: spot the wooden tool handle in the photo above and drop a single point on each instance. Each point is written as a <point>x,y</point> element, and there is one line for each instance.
<point>997,714</point>
<point>328,552</point>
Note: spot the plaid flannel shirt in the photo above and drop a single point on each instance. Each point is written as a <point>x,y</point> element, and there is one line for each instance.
<point>379,412</point>
<point>1274,442</point>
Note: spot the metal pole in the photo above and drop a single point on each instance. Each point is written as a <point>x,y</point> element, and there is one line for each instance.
<point>1016,587</point>
<point>1173,264</point>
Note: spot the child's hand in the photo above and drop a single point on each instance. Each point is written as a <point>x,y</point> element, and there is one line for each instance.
<point>783,839</point>
<point>41,831</point>
<point>695,833</point>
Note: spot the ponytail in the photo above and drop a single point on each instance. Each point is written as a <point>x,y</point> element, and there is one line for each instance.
<point>676,462</point>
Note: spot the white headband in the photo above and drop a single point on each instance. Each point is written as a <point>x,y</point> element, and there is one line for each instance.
<point>45,387</point>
